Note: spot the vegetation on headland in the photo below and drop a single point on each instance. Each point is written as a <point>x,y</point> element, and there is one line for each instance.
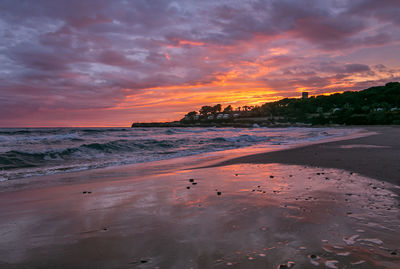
<point>375,105</point>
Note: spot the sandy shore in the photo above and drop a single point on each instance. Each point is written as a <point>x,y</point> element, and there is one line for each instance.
<point>376,156</point>
<point>311,208</point>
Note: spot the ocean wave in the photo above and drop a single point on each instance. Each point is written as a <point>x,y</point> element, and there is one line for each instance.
<point>243,138</point>
<point>41,151</point>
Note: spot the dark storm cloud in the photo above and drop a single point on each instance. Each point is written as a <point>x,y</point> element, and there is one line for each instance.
<point>383,10</point>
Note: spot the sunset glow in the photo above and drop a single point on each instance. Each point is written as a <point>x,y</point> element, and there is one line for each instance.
<point>111,63</point>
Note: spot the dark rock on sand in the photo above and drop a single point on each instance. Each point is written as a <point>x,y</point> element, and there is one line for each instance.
<point>287,265</point>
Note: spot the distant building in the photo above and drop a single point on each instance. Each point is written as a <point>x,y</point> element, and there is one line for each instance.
<point>304,95</point>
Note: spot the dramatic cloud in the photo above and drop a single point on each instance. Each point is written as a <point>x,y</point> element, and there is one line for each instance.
<point>100,62</point>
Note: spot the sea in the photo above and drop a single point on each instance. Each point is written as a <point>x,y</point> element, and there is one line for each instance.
<point>27,152</point>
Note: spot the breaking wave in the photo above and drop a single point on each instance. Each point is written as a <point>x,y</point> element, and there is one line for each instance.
<point>27,152</point>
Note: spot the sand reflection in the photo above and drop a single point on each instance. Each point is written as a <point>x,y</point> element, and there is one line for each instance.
<point>240,216</point>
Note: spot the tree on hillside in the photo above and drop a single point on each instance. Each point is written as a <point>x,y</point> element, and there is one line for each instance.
<point>228,109</point>
<point>217,109</point>
<point>191,114</point>
<point>205,110</point>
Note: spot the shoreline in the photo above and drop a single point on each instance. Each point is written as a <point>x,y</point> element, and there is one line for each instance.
<point>376,156</point>
<point>196,161</point>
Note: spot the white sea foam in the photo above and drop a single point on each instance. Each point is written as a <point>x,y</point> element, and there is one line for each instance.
<point>27,152</point>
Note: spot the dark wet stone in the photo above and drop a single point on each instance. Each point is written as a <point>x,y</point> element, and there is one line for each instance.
<point>188,187</point>
<point>253,190</point>
<point>349,213</point>
<point>271,176</point>
<point>287,265</point>
<point>313,256</point>
<point>327,178</point>
<point>143,261</point>
<point>219,193</point>
<point>194,183</point>
<point>318,174</point>
<point>263,191</point>
<point>374,188</point>
<point>258,186</point>
<point>236,174</point>
<point>84,192</point>
<point>89,192</point>
<point>105,229</point>
<point>393,253</point>
<point>191,180</point>
<point>290,175</point>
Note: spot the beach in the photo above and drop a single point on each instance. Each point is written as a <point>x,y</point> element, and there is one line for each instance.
<point>324,205</point>
<point>376,155</point>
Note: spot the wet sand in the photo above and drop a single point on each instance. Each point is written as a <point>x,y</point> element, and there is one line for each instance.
<point>241,215</point>
<point>376,156</point>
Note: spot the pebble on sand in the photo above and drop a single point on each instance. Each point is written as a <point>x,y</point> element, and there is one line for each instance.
<point>218,193</point>
<point>331,264</point>
<point>357,263</point>
<point>314,257</point>
<point>287,265</point>
<point>188,187</point>
<point>191,180</point>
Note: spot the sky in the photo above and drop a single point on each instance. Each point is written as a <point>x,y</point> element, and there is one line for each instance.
<point>111,63</point>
